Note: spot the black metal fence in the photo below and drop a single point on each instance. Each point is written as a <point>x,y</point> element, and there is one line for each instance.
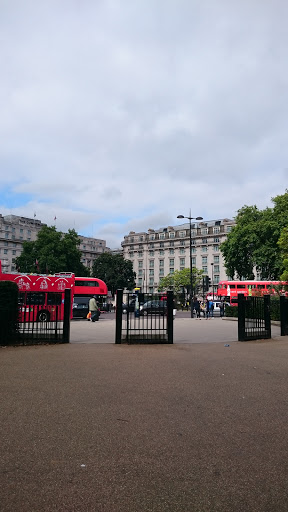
<point>37,324</point>
<point>254,318</point>
<point>144,318</point>
<point>284,315</point>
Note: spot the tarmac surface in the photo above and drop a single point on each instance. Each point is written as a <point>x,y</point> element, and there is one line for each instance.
<point>193,427</point>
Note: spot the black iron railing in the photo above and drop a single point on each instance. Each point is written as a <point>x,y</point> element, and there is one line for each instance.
<point>254,318</point>
<point>144,318</point>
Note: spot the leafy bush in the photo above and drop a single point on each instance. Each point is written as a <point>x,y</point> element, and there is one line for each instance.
<point>8,311</point>
<point>231,311</point>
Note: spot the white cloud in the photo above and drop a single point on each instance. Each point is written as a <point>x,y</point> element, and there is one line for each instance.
<point>119,115</point>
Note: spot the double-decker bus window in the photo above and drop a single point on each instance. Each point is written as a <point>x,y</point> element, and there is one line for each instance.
<point>87,283</point>
<point>54,299</point>
<point>240,286</point>
<point>34,298</point>
<point>261,286</point>
<point>21,298</point>
<point>232,286</point>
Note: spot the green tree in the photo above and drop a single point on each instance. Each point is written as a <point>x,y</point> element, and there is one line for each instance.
<point>253,241</point>
<point>53,251</point>
<point>115,271</point>
<point>181,279</point>
<point>283,245</point>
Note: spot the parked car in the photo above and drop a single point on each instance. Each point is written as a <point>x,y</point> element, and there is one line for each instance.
<point>80,307</point>
<point>217,307</point>
<point>154,307</point>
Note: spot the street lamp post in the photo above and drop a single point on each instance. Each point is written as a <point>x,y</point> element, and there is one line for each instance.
<point>190,254</point>
<point>212,265</point>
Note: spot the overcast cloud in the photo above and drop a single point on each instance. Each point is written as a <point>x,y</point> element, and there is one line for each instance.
<point>118,115</point>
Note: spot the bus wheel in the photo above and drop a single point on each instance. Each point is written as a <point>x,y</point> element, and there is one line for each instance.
<point>43,316</point>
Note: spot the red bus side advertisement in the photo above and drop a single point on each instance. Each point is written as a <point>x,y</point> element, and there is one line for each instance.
<point>41,296</point>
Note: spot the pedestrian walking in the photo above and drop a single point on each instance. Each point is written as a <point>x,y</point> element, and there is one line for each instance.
<point>197,307</point>
<point>93,309</point>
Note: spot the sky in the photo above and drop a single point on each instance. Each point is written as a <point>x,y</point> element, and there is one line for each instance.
<point>119,115</point>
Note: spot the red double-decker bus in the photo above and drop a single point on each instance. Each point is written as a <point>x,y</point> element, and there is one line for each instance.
<point>229,290</point>
<point>41,296</point>
<point>89,286</point>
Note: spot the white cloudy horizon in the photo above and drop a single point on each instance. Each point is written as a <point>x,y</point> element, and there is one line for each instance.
<point>120,115</point>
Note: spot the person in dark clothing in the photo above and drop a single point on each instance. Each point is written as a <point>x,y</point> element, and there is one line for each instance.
<point>197,308</point>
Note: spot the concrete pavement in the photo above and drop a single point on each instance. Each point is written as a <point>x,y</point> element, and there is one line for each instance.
<point>190,427</point>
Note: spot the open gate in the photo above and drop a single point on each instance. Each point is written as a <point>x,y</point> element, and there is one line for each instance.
<point>144,318</point>
<point>254,318</point>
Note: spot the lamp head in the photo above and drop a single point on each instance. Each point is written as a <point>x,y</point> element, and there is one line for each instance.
<point>180,216</point>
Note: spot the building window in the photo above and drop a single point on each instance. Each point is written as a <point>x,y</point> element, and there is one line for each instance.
<point>140,272</point>
<point>193,232</point>
<point>216,268</point>
<point>6,235</point>
<point>171,244</point>
<point>216,248</point>
<point>204,240</point>
<point>151,282</point>
<point>216,230</point>
<point>140,264</point>
<point>171,251</point>
<point>21,231</point>
<point>14,252</point>
<point>161,244</point>
<point>193,250</point>
<point>204,231</point>
<point>171,234</point>
<point>182,251</point>
<point>162,236</point>
<point>161,263</point>
<point>193,242</point>
<point>204,248</point>
<point>216,279</point>
<point>182,261</point>
<point>204,260</point>
<point>171,270</point>
<point>131,239</point>
<point>193,261</point>
<point>151,253</point>
<point>204,268</point>
<point>152,237</point>
<point>140,281</point>
<point>161,252</point>
<point>131,254</point>
<point>228,229</point>
<point>161,272</point>
<point>5,243</point>
<point>216,259</point>
<point>5,251</point>
<point>217,240</point>
<point>151,263</point>
<point>182,234</point>
<point>151,272</point>
<point>140,254</point>
<point>171,262</point>
<point>151,246</point>
<point>182,268</point>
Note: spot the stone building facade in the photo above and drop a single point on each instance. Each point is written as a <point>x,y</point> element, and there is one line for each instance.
<point>14,230</point>
<point>158,252</point>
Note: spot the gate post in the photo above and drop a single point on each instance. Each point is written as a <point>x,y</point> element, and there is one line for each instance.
<point>170,316</point>
<point>267,318</point>
<point>241,317</point>
<point>67,313</point>
<point>119,301</point>
<point>283,315</point>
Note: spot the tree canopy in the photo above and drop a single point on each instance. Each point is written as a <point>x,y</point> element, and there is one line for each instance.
<point>52,252</point>
<point>253,241</point>
<point>181,279</point>
<point>115,271</point>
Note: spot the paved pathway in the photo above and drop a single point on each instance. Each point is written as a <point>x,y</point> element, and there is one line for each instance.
<point>186,330</point>
<point>116,428</point>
